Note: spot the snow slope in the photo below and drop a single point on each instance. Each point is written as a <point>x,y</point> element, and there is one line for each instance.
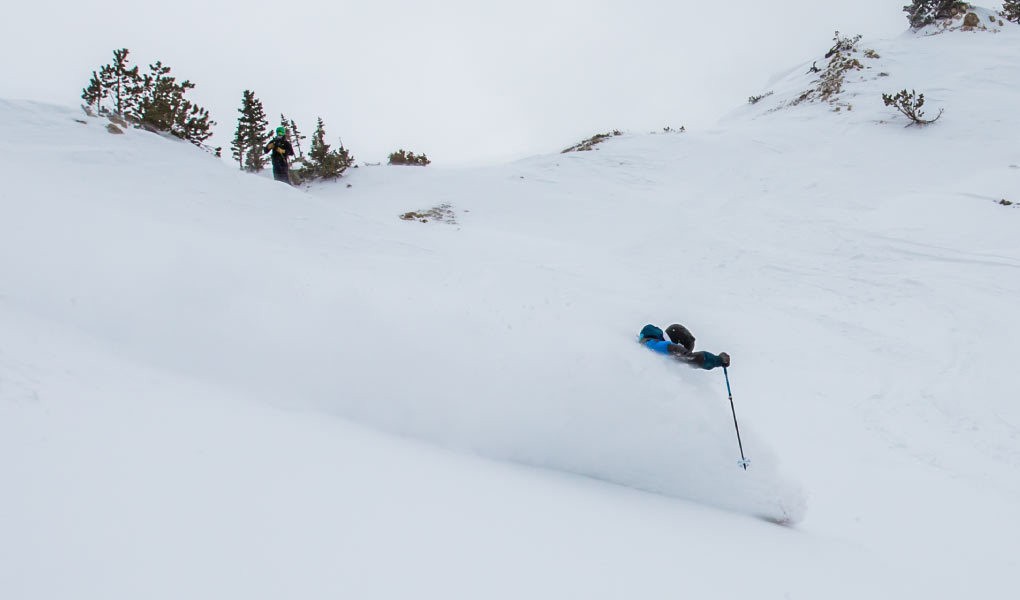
<point>202,371</point>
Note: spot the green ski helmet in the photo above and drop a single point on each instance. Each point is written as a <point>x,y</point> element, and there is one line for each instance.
<point>281,131</point>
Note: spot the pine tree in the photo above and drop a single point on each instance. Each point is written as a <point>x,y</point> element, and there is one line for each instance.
<point>1011,10</point>
<point>116,81</point>
<point>161,106</point>
<point>293,135</point>
<point>94,93</point>
<point>926,12</point>
<point>120,81</point>
<point>340,161</point>
<point>238,144</point>
<point>154,101</point>
<point>323,163</point>
<point>193,124</point>
<point>154,90</point>
<point>317,153</point>
<point>297,139</point>
<point>251,136</point>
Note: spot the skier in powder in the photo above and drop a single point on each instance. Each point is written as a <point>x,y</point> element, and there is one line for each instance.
<point>681,347</point>
<point>281,149</point>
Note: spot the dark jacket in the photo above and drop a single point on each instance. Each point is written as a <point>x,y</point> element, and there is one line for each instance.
<point>281,149</point>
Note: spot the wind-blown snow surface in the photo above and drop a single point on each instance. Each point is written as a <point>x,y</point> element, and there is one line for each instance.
<point>187,351</point>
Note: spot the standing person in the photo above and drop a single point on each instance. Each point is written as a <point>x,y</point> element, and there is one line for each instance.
<point>681,347</point>
<point>281,149</point>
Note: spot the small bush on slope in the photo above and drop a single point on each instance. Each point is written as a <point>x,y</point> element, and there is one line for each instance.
<point>926,12</point>
<point>909,103</point>
<point>442,213</point>
<point>402,157</point>
<point>590,143</point>
<point>1011,10</point>
<point>842,60</point>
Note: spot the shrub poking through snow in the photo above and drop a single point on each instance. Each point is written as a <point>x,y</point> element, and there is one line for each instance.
<point>442,213</point>
<point>925,12</point>
<point>843,45</point>
<point>590,143</point>
<point>829,85</point>
<point>909,103</point>
<point>402,157</point>
<point>757,99</point>
<point>841,61</point>
<point>1011,10</point>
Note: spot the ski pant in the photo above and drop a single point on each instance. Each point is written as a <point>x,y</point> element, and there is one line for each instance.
<point>281,174</point>
<point>281,170</point>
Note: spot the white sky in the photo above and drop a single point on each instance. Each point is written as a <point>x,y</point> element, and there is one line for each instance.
<point>465,81</point>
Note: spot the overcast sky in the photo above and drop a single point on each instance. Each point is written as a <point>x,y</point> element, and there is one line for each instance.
<point>466,81</point>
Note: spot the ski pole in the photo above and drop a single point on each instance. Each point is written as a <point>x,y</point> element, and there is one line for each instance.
<point>743,461</point>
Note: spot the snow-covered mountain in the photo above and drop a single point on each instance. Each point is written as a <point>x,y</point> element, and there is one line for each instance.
<point>213,385</point>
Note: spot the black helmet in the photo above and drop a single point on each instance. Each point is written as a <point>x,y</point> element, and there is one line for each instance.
<point>678,334</point>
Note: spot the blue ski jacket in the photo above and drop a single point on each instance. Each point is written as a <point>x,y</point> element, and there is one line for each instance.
<point>660,346</point>
<point>652,338</point>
